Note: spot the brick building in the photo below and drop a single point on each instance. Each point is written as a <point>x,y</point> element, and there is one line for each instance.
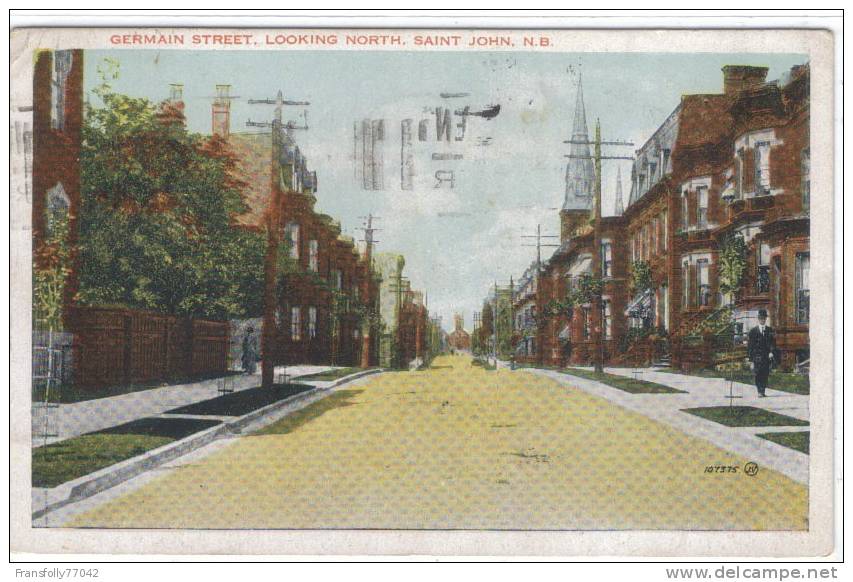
<point>566,336</point>
<point>321,290</point>
<point>721,168</point>
<point>459,339</point>
<point>57,125</point>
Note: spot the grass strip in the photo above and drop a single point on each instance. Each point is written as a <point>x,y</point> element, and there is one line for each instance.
<point>737,416</point>
<point>631,385</point>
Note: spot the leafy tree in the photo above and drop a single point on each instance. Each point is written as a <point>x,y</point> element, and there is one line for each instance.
<point>159,204</point>
<point>641,277</point>
<point>587,289</point>
<point>732,264</point>
<point>49,279</point>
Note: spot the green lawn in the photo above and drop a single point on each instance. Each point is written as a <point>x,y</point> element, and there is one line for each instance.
<point>623,383</point>
<point>784,381</point>
<point>485,364</point>
<point>799,441</point>
<point>291,422</point>
<point>57,463</point>
<point>332,374</point>
<point>745,416</point>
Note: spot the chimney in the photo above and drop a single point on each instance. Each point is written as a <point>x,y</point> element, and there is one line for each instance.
<point>221,113</point>
<point>176,96</point>
<point>737,78</point>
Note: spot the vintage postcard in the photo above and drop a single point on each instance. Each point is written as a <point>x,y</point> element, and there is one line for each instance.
<point>535,292</point>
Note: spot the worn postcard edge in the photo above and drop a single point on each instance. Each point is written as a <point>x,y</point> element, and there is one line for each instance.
<point>818,541</point>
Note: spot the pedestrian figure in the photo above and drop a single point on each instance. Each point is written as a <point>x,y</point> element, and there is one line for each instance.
<point>760,349</point>
<point>250,351</point>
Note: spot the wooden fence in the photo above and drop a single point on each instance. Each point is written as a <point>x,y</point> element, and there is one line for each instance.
<point>122,346</point>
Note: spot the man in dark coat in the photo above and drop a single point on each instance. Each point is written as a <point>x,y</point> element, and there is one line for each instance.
<point>760,349</point>
<point>250,351</point>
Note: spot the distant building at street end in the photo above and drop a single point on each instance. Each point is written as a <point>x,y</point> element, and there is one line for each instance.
<point>459,339</point>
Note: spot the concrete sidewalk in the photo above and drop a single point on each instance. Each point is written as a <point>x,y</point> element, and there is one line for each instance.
<point>73,419</point>
<point>701,392</point>
<point>46,500</point>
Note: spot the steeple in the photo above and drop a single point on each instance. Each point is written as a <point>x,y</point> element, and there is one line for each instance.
<point>619,208</point>
<point>579,169</point>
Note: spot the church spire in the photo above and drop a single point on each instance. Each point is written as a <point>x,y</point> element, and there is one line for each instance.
<point>580,173</point>
<point>619,208</point>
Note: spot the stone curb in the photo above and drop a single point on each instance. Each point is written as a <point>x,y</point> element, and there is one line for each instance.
<point>103,479</point>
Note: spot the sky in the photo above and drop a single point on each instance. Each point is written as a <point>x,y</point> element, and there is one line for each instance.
<point>457,241</point>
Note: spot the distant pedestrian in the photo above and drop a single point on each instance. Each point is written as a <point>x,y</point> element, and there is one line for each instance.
<point>760,349</point>
<point>250,351</point>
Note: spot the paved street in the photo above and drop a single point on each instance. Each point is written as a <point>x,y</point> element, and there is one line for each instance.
<point>463,448</point>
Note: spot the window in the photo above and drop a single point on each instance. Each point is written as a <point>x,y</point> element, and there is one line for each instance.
<point>652,173</point>
<point>606,259</point>
<point>702,207</point>
<point>685,211</point>
<point>313,255</point>
<point>653,236</point>
<point>587,331</point>
<point>761,155</point>
<point>59,77</point>
<point>295,323</point>
<point>291,236</point>
<point>312,322</point>
<point>739,172</point>
<point>685,284</point>
<point>664,234</point>
<point>762,282</point>
<point>338,278</point>
<point>805,178</point>
<point>703,282</point>
<point>801,290</point>
<point>608,320</point>
<point>664,293</point>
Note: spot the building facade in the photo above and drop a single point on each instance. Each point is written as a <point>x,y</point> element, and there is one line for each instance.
<point>459,339</point>
<point>322,294</point>
<point>716,228</point>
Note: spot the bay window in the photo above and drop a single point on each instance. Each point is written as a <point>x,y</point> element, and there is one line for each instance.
<point>295,323</point>
<point>313,255</point>
<point>761,156</point>
<point>801,287</point>
<point>702,207</point>
<point>763,274</point>
<point>703,282</point>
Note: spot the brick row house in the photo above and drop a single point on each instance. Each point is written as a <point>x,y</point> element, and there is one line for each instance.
<point>325,289</point>
<point>721,168</point>
<point>57,126</point>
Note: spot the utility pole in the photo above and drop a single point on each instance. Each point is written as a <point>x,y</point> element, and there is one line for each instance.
<point>597,258</point>
<point>397,287</point>
<point>367,334</point>
<point>539,245</point>
<point>495,327</point>
<point>540,307</point>
<point>278,127</point>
